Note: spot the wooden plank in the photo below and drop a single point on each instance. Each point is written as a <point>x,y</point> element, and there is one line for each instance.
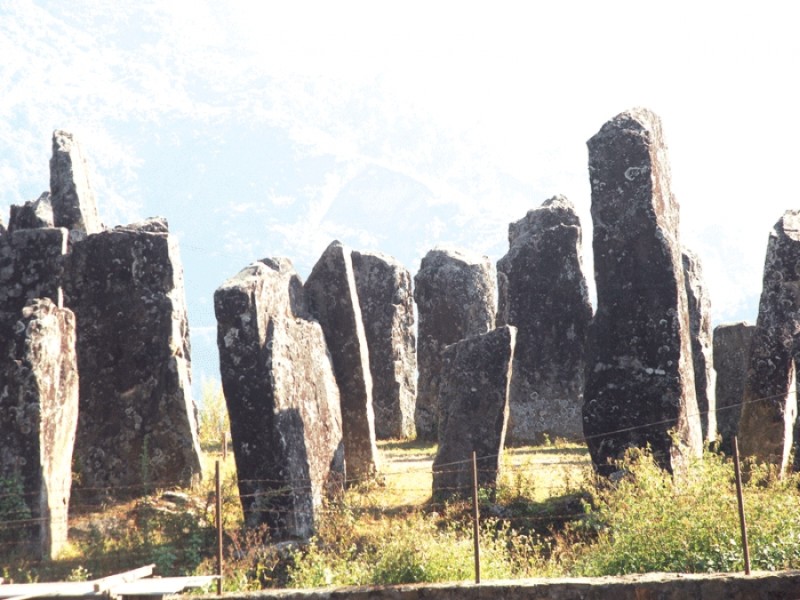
<point>106,583</point>
<point>162,585</point>
<point>50,589</point>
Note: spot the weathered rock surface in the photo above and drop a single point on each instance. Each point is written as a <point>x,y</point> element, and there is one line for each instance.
<point>71,195</point>
<point>456,298</point>
<point>332,300</point>
<point>31,266</point>
<point>702,344</point>
<point>731,357</point>
<point>473,398</point>
<point>639,373</point>
<point>544,294</point>
<point>387,310</point>
<point>137,422</point>
<point>282,398</point>
<point>38,417</point>
<point>770,403</point>
<point>34,214</point>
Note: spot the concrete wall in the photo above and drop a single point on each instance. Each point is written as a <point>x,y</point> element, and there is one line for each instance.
<point>659,586</point>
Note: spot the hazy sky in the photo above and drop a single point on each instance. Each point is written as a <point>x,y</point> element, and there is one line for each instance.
<point>272,128</point>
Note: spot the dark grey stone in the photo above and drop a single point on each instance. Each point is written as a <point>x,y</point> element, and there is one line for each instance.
<point>387,310</point>
<point>34,214</point>
<point>544,294</point>
<point>31,266</point>
<point>137,425</point>
<point>731,356</point>
<point>770,403</point>
<point>282,398</point>
<point>38,417</point>
<point>455,293</point>
<point>639,373</point>
<point>702,344</point>
<point>332,300</point>
<point>473,404</point>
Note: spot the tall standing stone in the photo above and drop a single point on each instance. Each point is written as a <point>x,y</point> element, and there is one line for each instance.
<point>137,424</point>
<point>387,310</point>
<point>456,298</point>
<point>38,417</point>
<point>731,356</point>
<point>31,266</point>
<point>702,344</point>
<point>473,398</point>
<point>544,294</point>
<point>34,214</point>
<point>639,373</point>
<point>282,398</point>
<point>333,301</point>
<point>770,403</point>
<point>71,195</point>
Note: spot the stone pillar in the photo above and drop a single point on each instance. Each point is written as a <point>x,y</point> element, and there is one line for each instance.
<point>31,266</point>
<point>71,195</point>
<point>34,214</point>
<point>731,355</point>
<point>456,298</point>
<point>387,309</point>
<point>702,344</point>
<point>333,301</point>
<point>282,398</point>
<point>770,404</point>
<point>545,296</point>
<point>639,373</point>
<point>137,426</point>
<point>38,417</point>
<point>473,400</point>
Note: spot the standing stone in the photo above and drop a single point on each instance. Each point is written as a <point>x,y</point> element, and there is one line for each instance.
<point>333,301</point>
<point>31,266</point>
<point>282,398</point>
<point>702,344</point>
<point>770,403</point>
<point>38,416</point>
<point>34,214</point>
<point>455,295</point>
<point>473,403</point>
<point>387,310</point>
<point>71,195</point>
<point>137,424</point>
<point>731,356</point>
<point>544,294</point>
<point>639,373</point>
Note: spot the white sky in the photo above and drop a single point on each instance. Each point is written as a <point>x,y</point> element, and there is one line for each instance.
<point>272,128</point>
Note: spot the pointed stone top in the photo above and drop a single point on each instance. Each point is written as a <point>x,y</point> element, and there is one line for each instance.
<point>151,225</point>
<point>444,253</point>
<point>789,224</point>
<point>554,212</point>
<point>72,197</point>
<point>386,258</point>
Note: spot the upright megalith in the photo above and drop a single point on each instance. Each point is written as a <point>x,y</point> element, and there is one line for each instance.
<point>770,403</point>
<point>473,404</point>
<point>455,293</point>
<point>282,398</point>
<point>731,356</point>
<point>544,294</point>
<point>332,300</point>
<point>31,266</point>
<point>639,387</point>
<point>34,214</point>
<point>38,416</point>
<point>702,344</point>
<point>137,425</point>
<point>387,310</point>
<point>71,195</point>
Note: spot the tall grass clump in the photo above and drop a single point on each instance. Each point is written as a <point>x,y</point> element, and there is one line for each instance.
<point>649,521</point>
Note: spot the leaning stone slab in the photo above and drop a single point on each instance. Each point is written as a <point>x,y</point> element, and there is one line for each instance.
<point>38,417</point>
<point>731,356</point>
<point>282,398</point>
<point>544,294</point>
<point>455,293</point>
<point>702,344</point>
<point>473,399</point>
<point>332,300</point>
<point>31,266</point>
<point>71,195</point>
<point>137,425</point>
<point>770,403</point>
<point>639,372</point>
<point>387,310</point>
<point>34,214</point>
